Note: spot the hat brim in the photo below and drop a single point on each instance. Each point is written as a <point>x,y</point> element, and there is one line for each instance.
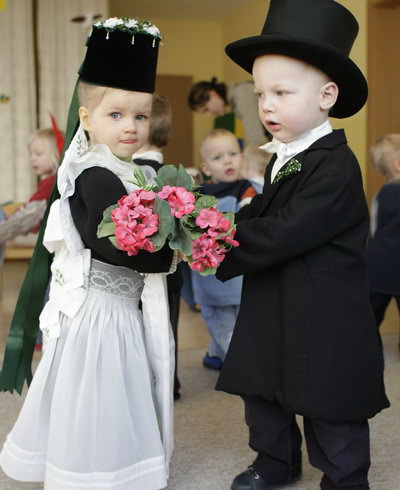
<point>353,88</point>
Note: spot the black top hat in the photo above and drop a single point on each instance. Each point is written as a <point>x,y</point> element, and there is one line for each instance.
<point>319,32</point>
<point>122,53</point>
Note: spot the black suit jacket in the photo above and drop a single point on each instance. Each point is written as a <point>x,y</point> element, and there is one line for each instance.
<point>305,335</point>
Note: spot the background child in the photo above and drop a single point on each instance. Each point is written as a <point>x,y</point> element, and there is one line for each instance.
<point>222,162</point>
<point>44,157</point>
<point>151,153</point>
<point>255,162</point>
<point>98,411</point>
<point>305,340</point>
<point>383,252</point>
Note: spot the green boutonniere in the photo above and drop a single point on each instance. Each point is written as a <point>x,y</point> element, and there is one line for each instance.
<point>293,167</point>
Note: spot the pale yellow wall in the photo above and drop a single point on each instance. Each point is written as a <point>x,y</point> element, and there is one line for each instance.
<point>249,20</point>
<point>191,48</point>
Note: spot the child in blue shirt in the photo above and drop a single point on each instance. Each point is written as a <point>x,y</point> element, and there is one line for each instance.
<point>222,162</point>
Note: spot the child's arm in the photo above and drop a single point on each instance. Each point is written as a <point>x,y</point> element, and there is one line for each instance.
<point>96,189</point>
<point>326,206</point>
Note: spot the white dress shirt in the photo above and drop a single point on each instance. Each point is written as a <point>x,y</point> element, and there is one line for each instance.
<point>286,151</point>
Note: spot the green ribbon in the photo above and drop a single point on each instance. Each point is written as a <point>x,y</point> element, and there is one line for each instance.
<point>25,322</point>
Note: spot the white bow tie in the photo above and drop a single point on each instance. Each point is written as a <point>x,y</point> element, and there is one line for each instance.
<point>286,151</point>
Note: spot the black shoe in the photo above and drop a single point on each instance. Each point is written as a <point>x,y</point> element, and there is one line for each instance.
<point>251,480</point>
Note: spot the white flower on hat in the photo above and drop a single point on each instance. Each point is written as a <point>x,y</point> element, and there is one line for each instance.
<point>131,23</point>
<point>153,30</point>
<point>113,22</point>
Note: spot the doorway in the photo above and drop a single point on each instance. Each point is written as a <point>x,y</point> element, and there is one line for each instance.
<point>383,78</point>
<point>180,147</point>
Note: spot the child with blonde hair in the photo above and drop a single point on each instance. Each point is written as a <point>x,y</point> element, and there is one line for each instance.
<point>222,163</point>
<point>99,410</point>
<point>383,250</point>
<point>305,340</point>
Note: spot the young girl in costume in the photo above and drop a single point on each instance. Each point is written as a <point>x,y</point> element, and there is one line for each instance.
<point>98,413</point>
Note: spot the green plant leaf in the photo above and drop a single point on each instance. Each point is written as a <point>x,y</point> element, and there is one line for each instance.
<point>205,202</point>
<point>167,175</point>
<point>181,239</point>
<point>106,226</point>
<point>113,240</point>
<point>165,223</point>
<point>105,229</point>
<point>183,179</point>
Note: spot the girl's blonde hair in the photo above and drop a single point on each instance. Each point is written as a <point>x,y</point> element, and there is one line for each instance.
<point>90,96</point>
<point>384,151</point>
<point>47,137</point>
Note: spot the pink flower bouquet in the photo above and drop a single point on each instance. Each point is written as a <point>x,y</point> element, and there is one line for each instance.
<point>170,211</point>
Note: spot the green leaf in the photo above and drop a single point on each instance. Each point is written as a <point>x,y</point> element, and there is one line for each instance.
<point>209,271</point>
<point>183,179</point>
<point>113,240</point>
<point>105,229</point>
<point>181,239</point>
<point>106,226</point>
<point>165,223</point>
<point>167,175</point>
<point>205,202</point>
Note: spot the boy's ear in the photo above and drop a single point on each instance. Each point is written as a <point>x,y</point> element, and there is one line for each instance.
<point>329,95</point>
<point>396,165</point>
<point>205,169</point>
<point>84,118</point>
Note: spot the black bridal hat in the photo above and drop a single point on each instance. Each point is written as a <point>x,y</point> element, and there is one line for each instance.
<point>319,32</point>
<point>122,53</point>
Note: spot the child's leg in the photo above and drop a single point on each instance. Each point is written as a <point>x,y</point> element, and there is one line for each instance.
<point>220,321</point>
<point>341,451</point>
<point>275,436</point>
<point>211,320</point>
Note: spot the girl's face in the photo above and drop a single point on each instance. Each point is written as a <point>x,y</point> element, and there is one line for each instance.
<point>40,158</point>
<point>293,96</point>
<point>120,121</point>
<point>215,106</point>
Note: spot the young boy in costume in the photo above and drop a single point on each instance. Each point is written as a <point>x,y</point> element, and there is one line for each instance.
<point>222,163</point>
<point>305,340</point>
<point>99,410</point>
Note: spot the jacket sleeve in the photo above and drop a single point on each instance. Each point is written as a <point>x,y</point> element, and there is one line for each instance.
<point>326,206</point>
<point>96,189</point>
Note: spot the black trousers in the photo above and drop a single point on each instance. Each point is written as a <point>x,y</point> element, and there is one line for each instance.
<point>339,449</point>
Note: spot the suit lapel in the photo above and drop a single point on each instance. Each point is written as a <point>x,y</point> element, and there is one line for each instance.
<point>270,189</point>
<point>329,141</point>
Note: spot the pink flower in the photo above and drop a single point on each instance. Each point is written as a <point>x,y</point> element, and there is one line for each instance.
<point>200,246</point>
<point>135,221</point>
<point>208,218</point>
<point>179,199</point>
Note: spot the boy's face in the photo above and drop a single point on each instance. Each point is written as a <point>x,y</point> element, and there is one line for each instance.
<point>120,121</point>
<point>292,98</point>
<point>222,158</point>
